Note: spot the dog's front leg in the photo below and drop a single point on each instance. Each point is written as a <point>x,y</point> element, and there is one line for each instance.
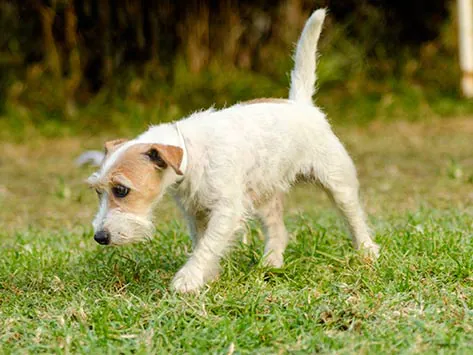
<point>203,265</point>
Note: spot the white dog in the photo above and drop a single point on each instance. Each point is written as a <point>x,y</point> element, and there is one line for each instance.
<point>224,166</point>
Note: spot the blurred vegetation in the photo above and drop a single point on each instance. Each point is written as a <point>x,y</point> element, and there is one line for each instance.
<point>86,65</point>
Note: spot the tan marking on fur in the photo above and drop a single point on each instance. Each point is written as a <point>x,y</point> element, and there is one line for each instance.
<point>135,170</point>
<point>265,100</point>
<point>172,155</point>
<point>136,167</point>
<point>111,146</point>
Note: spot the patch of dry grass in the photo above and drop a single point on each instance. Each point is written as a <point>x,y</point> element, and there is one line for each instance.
<point>402,166</point>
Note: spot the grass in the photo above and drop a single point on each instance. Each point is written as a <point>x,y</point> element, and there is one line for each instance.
<point>60,292</point>
<point>359,98</point>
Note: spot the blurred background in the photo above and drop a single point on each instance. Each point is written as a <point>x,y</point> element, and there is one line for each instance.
<point>75,73</point>
<point>75,66</point>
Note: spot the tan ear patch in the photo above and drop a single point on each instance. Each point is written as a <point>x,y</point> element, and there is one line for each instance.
<point>111,146</point>
<point>171,154</point>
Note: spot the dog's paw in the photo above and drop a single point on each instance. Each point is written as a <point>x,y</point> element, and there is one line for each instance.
<point>187,281</point>
<point>274,260</point>
<point>371,250</point>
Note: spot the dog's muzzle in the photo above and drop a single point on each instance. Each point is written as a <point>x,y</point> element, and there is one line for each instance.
<point>102,237</point>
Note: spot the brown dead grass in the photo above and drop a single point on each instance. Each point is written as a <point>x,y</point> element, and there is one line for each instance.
<point>402,166</point>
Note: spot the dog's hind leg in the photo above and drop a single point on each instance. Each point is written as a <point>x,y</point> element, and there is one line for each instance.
<point>340,181</point>
<point>276,237</point>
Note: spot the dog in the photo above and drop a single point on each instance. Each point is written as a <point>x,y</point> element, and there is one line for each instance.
<point>224,166</point>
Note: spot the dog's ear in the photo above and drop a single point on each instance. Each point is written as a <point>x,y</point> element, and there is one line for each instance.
<point>163,155</point>
<point>112,145</point>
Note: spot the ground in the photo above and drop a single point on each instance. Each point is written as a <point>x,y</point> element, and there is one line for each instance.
<point>61,292</point>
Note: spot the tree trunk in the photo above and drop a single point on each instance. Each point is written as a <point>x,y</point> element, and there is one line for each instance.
<point>194,33</point>
<point>231,32</point>
<point>107,62</point>
<point>51,54</point>
<point>75,72</point>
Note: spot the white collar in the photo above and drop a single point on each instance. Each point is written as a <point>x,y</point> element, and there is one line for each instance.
<point>182,144</point>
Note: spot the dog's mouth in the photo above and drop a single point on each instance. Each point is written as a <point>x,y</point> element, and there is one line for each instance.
<point>122,239</point>
<point>121,228</point>
<point>137,233</point>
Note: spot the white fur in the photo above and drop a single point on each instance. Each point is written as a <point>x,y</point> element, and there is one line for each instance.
<point>241,160</point>
<point>102,213</point>
<point>303,76</point>
<point>92,157</point>
<point>128,228</point>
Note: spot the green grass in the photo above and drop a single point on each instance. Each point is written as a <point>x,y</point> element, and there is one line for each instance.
<point>60,292</point>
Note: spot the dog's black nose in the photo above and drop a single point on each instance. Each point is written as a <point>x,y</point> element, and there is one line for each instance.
<point>102,237</point>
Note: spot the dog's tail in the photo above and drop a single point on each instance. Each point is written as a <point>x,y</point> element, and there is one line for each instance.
<point>303,75</point>
<point>92,157</point>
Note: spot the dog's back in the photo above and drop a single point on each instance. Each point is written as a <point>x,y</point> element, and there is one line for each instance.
<point>265,144</point>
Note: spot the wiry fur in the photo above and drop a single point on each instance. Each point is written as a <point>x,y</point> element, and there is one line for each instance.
<point>303,76</point>
<point>241,161</point>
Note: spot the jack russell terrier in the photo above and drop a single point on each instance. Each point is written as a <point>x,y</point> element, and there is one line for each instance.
<point>223,166</point>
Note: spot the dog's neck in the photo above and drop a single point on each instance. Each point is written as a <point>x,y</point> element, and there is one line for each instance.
<point>182,145</point>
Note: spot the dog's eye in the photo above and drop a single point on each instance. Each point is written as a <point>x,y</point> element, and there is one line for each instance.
<point>120,191</point>
<point>155,157</point>
<point>99,193</point>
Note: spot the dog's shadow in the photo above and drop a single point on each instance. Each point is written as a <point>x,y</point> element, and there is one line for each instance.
<point>150,266</point>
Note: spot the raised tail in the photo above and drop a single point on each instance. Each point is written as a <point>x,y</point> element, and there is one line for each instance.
<point>303,75</point>
<point>92,157</point>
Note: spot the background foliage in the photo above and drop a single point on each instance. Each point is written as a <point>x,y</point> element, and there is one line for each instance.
<point>100,64</point>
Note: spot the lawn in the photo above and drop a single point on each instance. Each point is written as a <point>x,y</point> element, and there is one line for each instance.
<point>61,292</point>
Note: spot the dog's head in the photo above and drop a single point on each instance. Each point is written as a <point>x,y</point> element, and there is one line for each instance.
<point>132,178</point>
